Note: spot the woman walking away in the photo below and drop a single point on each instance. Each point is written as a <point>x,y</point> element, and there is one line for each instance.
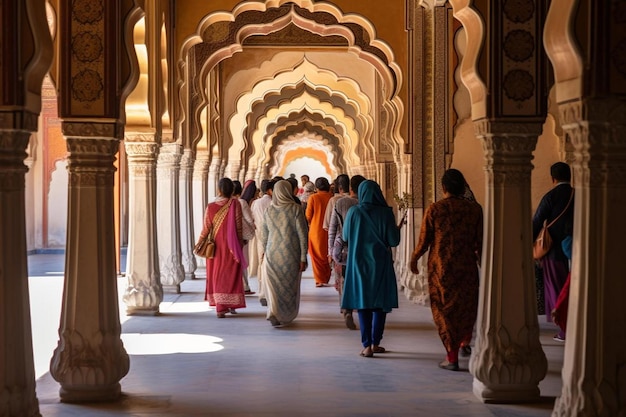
<point>284,241</point>
<point>223,219</point>
<point>370,281</point>
<point>452,229</point>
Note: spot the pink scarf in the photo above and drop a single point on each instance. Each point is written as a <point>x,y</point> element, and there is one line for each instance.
<point>231,235</point>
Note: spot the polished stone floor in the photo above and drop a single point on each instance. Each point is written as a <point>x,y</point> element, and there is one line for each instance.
<point>187,363</point>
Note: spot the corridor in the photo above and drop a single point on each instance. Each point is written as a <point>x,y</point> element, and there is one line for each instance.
<point>187,363</point>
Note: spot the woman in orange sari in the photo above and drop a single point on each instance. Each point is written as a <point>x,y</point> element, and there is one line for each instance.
<point>224,286</point>
<point>318,236</point>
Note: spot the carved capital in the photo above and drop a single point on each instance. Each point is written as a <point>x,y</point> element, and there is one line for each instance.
<point>12,154</point>
<point>18,120</point>
<point>95,130</point>
<point>90,161</point>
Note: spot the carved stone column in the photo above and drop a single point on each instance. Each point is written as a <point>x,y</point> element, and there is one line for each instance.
<point>200,200</point>
<point>214,177</point>
<point>90,359</point>
<point>594,367</point>
<point>143,293</point>
<point>507,362</point>
<point>17,394</point>
<point>187,233</point>
<point>168,217</point>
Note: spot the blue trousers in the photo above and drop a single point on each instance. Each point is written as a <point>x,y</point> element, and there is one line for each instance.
<point>372,324</point>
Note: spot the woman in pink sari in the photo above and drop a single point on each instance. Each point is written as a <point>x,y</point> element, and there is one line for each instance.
<point>224,286</point>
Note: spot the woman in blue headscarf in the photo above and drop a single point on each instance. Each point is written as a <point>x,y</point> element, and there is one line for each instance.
<point>370,281</point>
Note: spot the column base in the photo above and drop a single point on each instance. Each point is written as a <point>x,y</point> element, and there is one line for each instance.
<point>142,311</point>
<point>506,393</point>
<point>171,289</point>
<point>190,275</point>
<point>90,393</point>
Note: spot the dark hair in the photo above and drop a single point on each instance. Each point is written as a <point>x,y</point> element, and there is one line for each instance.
<point>343,183</point>
<point>355,181</point>
<point>238,188</point>
<point>453,182</point>
<point>249,192</point>
<point>322,184</point>
<point>293,182</point>
<point>561,172</point>
<point>264,184</point>
<point>226,187</point>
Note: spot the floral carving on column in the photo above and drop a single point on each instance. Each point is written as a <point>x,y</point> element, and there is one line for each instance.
<point>508,361</point>
<point>90,359</point>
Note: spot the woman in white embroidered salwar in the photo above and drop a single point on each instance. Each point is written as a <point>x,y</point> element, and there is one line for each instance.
<point>284,238</point>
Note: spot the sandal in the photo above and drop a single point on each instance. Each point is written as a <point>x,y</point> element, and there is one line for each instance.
<point>367,352</point>
<point>232,311</point>
<point>378,349</point>
<point>450,366</point>
<point>221,315</point>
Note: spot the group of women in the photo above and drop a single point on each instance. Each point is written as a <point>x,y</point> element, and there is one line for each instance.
<point>451,232</point>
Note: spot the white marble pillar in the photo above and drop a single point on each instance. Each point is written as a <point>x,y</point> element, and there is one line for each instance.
<point>168,217</point>
<point>144,292</point>
<point>17,394</point>
<point>594,366</point>
<point>213,178</point>
<point>507,362</point>
<point>233,170</point>
<point>187,233</point>
<point>200,200</point>
<point>90,359</point>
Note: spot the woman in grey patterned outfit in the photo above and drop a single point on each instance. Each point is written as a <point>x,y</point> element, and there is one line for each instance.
<point>284,238</point>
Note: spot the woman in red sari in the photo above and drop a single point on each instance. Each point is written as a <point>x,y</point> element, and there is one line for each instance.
<point>224,286</point>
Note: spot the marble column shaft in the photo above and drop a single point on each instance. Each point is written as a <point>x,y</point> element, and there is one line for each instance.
<point>144,292</point>
<point>168,218</point>
<point>507,361</point>
<point>187,233</point>
<point>200,198</point>
<point>90,358</point>
<point>594,366</point>
<point>17,394</point>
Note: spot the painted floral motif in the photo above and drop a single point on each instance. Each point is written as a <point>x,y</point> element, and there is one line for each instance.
<point>519,85</point>
<point>87,11</point>
<point>87,47</point>
<point>519,45</point>
<point>87,86</point>
<point>519,11</point>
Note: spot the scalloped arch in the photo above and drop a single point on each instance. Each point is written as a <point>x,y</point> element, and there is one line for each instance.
<point>306,72</point>
<point>217,45</point>
<point>475,32</point>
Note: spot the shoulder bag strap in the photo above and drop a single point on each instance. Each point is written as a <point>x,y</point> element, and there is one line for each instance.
<point>571,197</point>
<point>219,218</point>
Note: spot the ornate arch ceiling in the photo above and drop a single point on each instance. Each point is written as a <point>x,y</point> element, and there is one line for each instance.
<point>304,145</point>
<point>312,124</point>
<point>305,73</point>
<point>280,22</point>
<point>313,105</point>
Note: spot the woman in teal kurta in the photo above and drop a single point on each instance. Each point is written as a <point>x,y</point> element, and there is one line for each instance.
<point>370,281</point>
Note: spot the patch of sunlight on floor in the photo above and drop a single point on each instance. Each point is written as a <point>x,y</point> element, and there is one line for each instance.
<point>181,307</point>
<point>170,343</point>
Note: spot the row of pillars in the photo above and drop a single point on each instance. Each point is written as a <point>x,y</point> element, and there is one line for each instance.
<point>508,362</point>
